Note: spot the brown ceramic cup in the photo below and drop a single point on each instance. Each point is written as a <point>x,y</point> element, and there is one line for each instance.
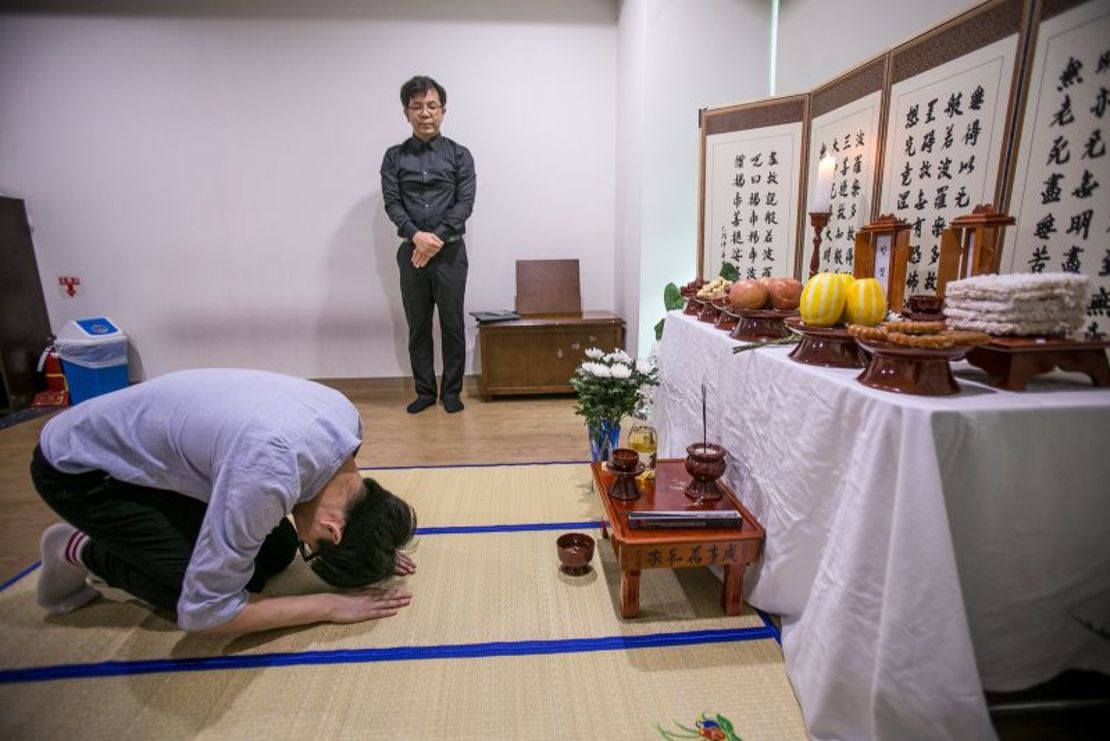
<point>575,552</point>
<point>624,460</point>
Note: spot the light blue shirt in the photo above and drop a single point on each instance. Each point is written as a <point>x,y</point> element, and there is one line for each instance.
<point>249,443</point>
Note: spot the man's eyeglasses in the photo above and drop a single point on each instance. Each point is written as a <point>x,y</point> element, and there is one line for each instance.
<point>430,108</point>
<point>306,554</point>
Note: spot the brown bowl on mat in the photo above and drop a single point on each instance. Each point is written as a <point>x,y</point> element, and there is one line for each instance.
<point>575,552</point>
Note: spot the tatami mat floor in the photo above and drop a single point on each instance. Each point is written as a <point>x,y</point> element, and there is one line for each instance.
<point>498,643</point>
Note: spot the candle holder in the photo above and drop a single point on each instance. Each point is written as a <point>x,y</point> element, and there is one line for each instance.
<point>819,220</point>
<point>882,251</point>
<point>705,462</point>
<point>971,245</point>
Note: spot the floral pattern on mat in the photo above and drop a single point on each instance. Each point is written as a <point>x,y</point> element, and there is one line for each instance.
<point>717,728</point>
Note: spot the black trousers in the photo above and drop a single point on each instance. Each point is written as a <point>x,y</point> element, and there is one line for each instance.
<point>439,285</point>
<point>141,539</point>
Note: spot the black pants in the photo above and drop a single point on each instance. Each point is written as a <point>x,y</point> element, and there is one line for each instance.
<point>141,539</point>
<point>441,284</point>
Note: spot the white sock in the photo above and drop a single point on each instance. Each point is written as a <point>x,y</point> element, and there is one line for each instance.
<point>62,586</point>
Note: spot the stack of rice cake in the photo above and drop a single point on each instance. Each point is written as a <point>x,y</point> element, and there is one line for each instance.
<point>1018,304</point>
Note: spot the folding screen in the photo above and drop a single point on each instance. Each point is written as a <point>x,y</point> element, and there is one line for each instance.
<point>751,165</point>
<point>845,123</point>
<point>952,94</point>
<point>1061,165</point>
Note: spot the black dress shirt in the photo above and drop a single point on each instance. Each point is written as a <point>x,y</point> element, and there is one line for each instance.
<point>429,187</point>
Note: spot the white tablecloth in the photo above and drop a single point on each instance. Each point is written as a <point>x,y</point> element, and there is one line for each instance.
<point>918,549</point>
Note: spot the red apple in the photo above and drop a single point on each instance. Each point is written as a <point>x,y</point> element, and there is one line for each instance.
<point>748,294</point>
<point>786,294</point>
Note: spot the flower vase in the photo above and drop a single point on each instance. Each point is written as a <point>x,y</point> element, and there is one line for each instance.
<point>605,435</point>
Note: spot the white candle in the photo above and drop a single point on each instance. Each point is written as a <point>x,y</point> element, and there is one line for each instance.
<point>968,268</point>
<point>822,191</point>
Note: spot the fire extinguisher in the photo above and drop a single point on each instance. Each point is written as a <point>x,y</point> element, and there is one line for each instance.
<point>57,390</point>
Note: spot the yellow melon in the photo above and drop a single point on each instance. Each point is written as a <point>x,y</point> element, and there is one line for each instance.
<point>823,300</point>
<point>845,278</point>
<point>865,302</point>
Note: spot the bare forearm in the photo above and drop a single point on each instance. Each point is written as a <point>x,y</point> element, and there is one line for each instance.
<point>266,613</point>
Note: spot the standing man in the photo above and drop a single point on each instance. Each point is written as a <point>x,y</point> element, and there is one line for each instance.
<point>428,185</point>
<point>180,491</point>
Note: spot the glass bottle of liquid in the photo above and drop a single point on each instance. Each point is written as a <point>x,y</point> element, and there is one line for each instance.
<point>643,439</point>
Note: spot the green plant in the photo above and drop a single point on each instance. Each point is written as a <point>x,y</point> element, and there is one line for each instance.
<point>672,299</point>
<point>609,384</point>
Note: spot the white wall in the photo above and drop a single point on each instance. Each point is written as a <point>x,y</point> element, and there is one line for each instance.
<point>212,175</point>
<point>631,113</point>
<point>818,39</point>
<point>687,56</point>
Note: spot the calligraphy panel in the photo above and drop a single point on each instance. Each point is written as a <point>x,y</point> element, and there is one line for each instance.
<point>1062,172</point>
<point>751,200</point>
<point>944,145</point>
<point>851,135</point>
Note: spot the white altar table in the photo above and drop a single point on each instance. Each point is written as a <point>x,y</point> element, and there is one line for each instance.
<point>919,549</point>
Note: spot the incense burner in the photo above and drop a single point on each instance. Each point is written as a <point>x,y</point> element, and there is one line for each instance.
<point>705,462</point>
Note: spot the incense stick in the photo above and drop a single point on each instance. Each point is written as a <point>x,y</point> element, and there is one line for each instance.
<point>704,434</point>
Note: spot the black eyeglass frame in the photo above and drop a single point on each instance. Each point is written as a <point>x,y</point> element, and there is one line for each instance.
<point>306,554</point>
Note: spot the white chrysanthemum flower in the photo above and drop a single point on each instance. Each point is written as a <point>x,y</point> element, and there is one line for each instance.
<point>590,369</point>
<point>619,356</point>
<point>643,366</point>
<point>594,353</point>
<point>620,370</point>
<point>602,371</point>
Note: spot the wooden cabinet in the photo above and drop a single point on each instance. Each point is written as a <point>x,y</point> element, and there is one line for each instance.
<point>24,326</point>
<point>539,354</point>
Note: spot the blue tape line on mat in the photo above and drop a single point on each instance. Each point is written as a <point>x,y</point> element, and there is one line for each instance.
<point>523,527</point>
<point>447,530</point>
<point>20,575</point>
<point>372,655</point>
<point>769,624</point>
<point>472,465</point>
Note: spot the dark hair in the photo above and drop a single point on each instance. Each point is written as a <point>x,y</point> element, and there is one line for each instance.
<point>420,85</point>
<point>378,523</point>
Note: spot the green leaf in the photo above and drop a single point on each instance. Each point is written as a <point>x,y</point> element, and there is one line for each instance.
<point>729,272</point>
<point>672,297</point>
<point>659,329</point>
<point>725,723</point>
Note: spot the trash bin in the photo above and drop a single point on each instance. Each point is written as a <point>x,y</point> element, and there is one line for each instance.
<point>94,357</point>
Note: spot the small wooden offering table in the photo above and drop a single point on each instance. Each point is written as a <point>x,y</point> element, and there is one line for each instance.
<point>1012,361</point>
<point>675,548</point>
